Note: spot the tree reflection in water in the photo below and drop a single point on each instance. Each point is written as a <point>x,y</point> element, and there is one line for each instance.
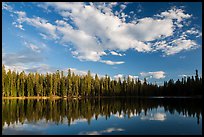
<point>55,110</point>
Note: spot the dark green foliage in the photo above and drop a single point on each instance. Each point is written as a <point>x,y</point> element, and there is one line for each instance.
<point>57,84</point>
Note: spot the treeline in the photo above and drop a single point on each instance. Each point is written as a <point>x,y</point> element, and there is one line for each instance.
<point>15,84</point>
<point>62,111</point>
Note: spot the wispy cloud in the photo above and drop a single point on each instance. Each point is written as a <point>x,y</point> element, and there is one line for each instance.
<point>108,130</point>
<point>156,74</point>
<point>185,75</point>
<point>21,58</point>
<point>5,6</point>
<point>116,54</point>
<point>109,62</point>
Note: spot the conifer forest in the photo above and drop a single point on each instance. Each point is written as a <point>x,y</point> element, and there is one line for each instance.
<point>20,84</point>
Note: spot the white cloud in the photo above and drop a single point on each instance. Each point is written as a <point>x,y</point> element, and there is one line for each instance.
<point>133,77</point>
<point>108,130</point>
<point>139,8</point>
<point>175,13</point>
<point>116,54</point>
<point>118,76</point>
<point>109,62</point>
<point>40,68</point>
<point>180,45</point>
<point>21,58</point>
<point>184,75</point>
<point>43,36</point>
<point>121,76</point>
<point>33,47</point>
<point>18,26</point>
<point>122,7</point>
<point>156,74</point>
<point>176,45</point>
<point>81,72</point>
<point>149,29</point>
<point>122,115</point>
<point>21,13</point>
<point>18,68</point>
<point>25,59</point>
<point>193,31</point>
<point>5,6</point>
<point>132,12</point>
<point>95,28</point>
<point>43,68</point>
<point>78,72</point>
<point>156,116</point>
<point>40,23</point>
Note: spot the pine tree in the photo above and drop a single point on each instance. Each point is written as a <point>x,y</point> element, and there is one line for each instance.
<point>97,85</point>
<point>88,83</point>
<point>69,83</point>
<point>62,85</point>
<point>3,80</point>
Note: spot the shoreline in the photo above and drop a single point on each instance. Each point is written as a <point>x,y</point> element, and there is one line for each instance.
<point>58,97</point>
<point>33,97</point>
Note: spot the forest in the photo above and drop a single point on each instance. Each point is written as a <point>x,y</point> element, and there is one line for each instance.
<point>21,84</point>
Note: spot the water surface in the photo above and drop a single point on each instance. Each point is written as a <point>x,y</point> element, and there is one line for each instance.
<point>153,116</point>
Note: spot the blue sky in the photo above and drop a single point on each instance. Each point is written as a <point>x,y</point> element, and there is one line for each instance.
<point>157,40</point>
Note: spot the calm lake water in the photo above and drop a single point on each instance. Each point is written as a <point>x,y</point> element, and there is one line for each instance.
<point>160,116</point>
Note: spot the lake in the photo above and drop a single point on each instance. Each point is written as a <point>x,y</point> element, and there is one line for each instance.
<point>105,116</point>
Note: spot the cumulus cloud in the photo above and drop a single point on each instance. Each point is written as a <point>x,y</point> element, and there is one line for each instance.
<point>94,28</point>
<point>149,29</point>
<point>156,74</point>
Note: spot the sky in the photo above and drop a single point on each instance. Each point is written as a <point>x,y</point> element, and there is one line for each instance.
<point>153,40</point>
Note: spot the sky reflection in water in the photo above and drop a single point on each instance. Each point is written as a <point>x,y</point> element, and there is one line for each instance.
<point>152,121</point>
